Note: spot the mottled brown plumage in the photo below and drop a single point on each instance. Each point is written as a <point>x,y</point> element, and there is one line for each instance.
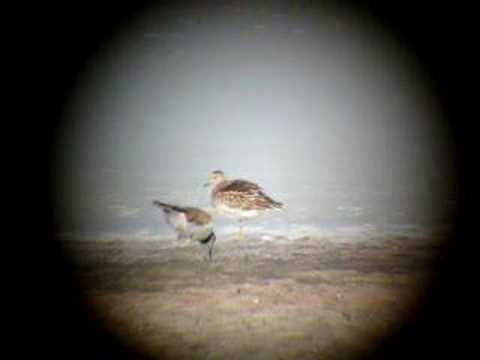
<point>240,199</point>
<point>244,195</point>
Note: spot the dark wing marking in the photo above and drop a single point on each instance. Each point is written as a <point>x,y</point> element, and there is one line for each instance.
<point>168,207</point>
<point>242,186</point>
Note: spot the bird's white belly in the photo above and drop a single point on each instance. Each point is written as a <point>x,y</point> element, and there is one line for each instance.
<point>198,233</point>
<point>186,229</point>
<point>177,220</point>
<point>236,213</point>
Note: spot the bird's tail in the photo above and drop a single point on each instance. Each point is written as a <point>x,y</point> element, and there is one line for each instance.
<point>278,205</point>
<point>275,204</point>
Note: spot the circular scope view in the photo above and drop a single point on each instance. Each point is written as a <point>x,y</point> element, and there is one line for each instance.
<point>253,182</point>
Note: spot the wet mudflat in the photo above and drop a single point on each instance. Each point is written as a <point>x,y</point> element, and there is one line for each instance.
<point>265,297</point>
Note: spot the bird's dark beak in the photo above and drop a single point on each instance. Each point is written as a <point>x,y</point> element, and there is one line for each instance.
<point>207,184</point>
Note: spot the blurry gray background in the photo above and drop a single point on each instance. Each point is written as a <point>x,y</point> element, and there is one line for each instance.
<point>323,109</point>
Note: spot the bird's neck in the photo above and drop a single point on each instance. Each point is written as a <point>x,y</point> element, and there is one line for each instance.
<point>219,185</point>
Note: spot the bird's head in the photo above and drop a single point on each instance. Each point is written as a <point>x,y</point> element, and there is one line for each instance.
<point>215,178</point>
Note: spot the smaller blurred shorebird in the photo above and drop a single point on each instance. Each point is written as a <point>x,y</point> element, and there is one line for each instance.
<point>190,223</point>
<point>240,199</point>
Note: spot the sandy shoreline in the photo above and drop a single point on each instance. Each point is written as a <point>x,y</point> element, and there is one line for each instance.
<point>261,298</point>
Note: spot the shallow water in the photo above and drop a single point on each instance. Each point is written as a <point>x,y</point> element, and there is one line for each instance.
<point>312,105</point>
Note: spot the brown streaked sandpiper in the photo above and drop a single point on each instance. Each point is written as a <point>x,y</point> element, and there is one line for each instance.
<point>239,199</point>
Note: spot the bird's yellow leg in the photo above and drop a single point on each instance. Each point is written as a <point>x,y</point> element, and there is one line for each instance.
<point>241,235</point>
